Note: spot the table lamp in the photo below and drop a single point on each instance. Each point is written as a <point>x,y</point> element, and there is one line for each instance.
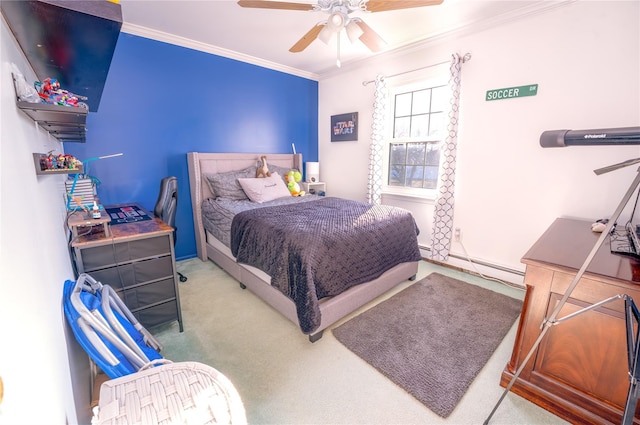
<point>312,173</point>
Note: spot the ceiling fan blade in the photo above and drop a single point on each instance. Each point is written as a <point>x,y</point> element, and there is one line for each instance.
<point>370,38</point>
<point>306,39</point>
<point>382,5</point>
<point>263,4</point>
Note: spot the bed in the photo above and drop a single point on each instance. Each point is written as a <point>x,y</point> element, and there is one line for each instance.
<point>314,304</point>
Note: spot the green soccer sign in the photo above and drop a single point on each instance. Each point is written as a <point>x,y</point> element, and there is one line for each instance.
<point>511,92</point>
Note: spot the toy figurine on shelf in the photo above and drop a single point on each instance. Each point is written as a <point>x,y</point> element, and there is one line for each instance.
<point>50,92</point>
<point>59,162</point>
<point>48,86</point>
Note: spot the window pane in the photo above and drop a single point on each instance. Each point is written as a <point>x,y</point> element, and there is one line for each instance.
<point>433,154</point>
<point>416,153</point>
<point>396,175</point>
<point>431,177</point>
<point>440,99</point>
<point>421,102</point>
<point>438,125</point>
<point>401,127</point>
<point>420,116</point>
<point>420,126</point>
<point>398,153</point>
<point>415,175</point>
<point>403,104</point>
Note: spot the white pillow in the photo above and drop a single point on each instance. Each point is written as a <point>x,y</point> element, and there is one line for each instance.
<point>264,189</point>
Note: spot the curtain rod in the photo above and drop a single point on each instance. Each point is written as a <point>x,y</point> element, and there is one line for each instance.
<point>465,58</point>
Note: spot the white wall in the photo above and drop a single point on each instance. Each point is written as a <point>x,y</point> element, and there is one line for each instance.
<point>585,56</point>
<point>34,362</point>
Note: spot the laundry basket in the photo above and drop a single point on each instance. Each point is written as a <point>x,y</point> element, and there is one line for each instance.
<point>175,393</point>
<point>145,388</point>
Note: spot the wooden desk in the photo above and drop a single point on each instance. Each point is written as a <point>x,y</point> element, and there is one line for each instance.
<point>579,370</point>
<point>138,261</point>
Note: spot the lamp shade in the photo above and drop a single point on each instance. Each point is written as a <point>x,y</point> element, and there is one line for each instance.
<point>354,31</point>
<point>326,34</point>
<point>312,173</point>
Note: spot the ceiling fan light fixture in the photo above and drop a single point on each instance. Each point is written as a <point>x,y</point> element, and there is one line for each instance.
<point>353,31</point>
<point>326,35</point>
<point>339,12</point>
<point>336,21</point>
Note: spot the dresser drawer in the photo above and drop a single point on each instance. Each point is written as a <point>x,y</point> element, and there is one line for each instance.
<point>158,314</point>
<point>123,252</point>
<point>151,293</point>
<point>125,275</point>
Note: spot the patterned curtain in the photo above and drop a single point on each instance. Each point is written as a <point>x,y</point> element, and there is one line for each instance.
<point>443,212</point>
<point>374,186</point>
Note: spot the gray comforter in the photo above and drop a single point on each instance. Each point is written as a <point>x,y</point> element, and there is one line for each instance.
<point>319,249</point>
<point>218,213</point>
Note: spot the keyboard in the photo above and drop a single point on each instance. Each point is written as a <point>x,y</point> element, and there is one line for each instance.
<point>626,241</point>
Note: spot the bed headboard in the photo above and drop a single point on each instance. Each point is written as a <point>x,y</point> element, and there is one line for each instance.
<point>201,163</point>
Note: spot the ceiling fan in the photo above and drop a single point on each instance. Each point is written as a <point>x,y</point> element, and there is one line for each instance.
<point>339,18</point>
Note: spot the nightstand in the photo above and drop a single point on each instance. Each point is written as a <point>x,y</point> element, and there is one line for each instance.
<point>317,188</point>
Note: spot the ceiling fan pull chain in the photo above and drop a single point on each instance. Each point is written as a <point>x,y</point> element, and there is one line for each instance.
<point>338,52</point>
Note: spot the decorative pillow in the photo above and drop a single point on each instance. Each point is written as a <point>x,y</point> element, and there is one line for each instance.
<point>225,185</point>
<point>282,171</point>
<point>264,189</point>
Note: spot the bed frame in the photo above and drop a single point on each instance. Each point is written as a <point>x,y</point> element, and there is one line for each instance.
<point>332,309</point>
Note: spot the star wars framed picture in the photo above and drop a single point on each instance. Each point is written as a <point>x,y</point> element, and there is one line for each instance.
<point>344,127</point>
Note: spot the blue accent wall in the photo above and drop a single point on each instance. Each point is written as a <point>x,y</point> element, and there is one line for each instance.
<point>161,101</point>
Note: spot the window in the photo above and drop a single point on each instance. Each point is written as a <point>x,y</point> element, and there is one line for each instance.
<point>418,128</point>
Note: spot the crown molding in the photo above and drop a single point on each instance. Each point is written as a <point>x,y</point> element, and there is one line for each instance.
<point>408,48</point>
<point>461,30</point>
<point>208,48</point>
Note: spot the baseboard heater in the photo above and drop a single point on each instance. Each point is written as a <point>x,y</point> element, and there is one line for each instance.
<point>603,137</point>
<point>478,262</point>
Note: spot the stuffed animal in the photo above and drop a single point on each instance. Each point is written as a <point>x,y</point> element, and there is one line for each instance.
<point>293,178</point>
<point>263,170</point>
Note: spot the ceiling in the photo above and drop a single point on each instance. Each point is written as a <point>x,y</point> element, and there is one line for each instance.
<point>264,36</point>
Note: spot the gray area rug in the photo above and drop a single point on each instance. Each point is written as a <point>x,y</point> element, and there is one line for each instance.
<point>432,338</point>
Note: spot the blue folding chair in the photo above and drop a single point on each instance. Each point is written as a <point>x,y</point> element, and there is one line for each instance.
<point>106,329</point>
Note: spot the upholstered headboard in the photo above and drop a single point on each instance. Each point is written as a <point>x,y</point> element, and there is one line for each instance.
<point>201,163</point>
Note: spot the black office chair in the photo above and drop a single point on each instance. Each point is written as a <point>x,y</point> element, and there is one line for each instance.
<point>166,206</point>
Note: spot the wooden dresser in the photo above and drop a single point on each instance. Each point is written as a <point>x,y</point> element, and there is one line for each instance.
<point>579,371</point>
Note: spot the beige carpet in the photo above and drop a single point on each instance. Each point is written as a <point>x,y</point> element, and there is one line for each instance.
<point>284,379</point>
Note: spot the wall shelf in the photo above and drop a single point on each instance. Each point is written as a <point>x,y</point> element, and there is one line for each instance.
<point>65,123</point>
<point>40,170</point>
<point>72,41</point>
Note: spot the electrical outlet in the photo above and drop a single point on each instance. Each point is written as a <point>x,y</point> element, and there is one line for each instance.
<point>457,234</point>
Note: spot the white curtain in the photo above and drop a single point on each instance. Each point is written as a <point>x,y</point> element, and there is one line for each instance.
<point>376,149</point>
<point>443,211</point>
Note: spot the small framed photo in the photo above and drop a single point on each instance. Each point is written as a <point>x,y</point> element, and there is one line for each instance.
<point>344,127</point>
